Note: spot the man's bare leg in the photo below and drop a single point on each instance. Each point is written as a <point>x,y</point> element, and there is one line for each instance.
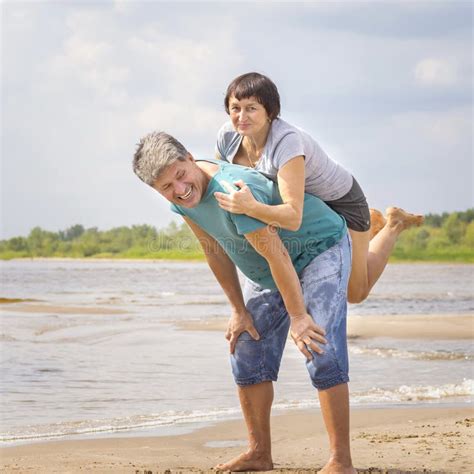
<point>256,402</point>
<point>335,409</point>
<point>370,257</point>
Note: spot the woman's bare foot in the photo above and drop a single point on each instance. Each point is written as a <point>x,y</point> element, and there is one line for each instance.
<point>334,467</point>
<point>402,220</point>
<point>249,461</point>
<point>377,222</point>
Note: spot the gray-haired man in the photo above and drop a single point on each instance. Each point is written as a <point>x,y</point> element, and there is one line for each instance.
<point>294,279</point>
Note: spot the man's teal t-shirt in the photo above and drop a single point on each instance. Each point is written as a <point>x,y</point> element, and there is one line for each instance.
<point>321,227</point>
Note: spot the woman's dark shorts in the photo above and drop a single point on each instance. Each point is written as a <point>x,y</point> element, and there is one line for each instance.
<point>354,208</point>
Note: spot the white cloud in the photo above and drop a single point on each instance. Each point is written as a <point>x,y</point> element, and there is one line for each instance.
<point>17,18</point>
<point>179,118</point>
<point>85,53</point>
<point>89,58</point>
<point>88,21</point>
<point>87,62</point>
<point>446,129</point>
<point>437,72</point>
<point>189,65</point>
<point>83,83</point>
<point>123,6</point>
<point>419,160</point>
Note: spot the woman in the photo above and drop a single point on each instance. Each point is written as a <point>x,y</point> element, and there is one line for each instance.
<point>258,138</point>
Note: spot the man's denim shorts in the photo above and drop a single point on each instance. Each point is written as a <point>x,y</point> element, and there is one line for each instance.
<point>324,283</point>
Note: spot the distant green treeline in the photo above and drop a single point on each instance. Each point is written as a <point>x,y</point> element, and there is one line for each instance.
<point>445,237</point>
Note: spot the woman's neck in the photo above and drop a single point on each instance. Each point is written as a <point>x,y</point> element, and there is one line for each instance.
<point>256,143</point>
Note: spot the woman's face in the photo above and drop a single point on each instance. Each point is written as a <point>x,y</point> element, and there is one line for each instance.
<point>248,116</point>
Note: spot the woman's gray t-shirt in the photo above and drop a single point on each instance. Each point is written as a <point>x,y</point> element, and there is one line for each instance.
<point>324,177</point>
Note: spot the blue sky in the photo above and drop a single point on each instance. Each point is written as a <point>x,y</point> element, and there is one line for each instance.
<point>385,87</point>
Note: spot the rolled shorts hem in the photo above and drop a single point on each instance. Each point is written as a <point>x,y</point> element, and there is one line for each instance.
<point>264,377</point>
<point>330,382</point>
<point>353,207</point>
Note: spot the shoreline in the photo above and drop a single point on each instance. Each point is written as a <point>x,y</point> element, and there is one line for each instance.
<point>448,326</point>
<point>436,439</point>
<point>392,260</point>
<point>444,326</point>
<point>402,326</point>
<point>110,259</point>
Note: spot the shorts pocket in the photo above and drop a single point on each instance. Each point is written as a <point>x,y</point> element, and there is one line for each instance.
<point>266,307</point>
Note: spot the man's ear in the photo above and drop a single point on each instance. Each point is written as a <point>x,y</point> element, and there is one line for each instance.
<point>190,157</point>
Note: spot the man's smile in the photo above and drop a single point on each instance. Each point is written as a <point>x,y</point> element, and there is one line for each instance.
<point>187,195</point>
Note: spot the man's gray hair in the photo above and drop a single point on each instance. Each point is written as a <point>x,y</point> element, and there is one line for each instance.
<point>155,152</point>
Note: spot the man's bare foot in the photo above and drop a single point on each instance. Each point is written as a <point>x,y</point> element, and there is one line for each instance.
<point>249,461</point>
<point>334,467</point>
<point>402,220</point>
<point>377,222</point>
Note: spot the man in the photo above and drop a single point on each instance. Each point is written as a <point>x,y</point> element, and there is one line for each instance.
<point>293,280</point>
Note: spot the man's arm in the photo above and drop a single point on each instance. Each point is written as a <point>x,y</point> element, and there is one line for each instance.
<point>304,331</point>
<point>226,274</point>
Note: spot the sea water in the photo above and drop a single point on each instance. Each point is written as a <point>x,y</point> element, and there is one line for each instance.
<point>99,352</point>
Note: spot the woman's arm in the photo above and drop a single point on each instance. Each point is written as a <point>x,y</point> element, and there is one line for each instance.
<point>291,178</point>
<point>304,331</point>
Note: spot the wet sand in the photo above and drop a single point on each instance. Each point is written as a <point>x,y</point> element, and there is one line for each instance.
<point>383,440</point>
<point>448,326</point>
<point>400,326</point>
<point>59,309</point>
<point>407,326</point>
<point>15,300</point>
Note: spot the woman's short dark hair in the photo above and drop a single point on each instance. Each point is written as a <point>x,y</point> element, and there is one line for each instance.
<point>255,85</point>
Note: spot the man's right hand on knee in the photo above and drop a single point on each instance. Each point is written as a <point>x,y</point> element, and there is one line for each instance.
<point>239,322</point>
<point>305,333</point>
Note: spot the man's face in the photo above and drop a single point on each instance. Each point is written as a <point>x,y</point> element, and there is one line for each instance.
<point>182,183</point>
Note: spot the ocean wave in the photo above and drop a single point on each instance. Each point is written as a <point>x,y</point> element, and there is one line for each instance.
<point>424,296</point>
<point>387,397</point>
<point>385,352</point>
<point>113,425</point>
<point>375,396</point>
<point>416,393</point>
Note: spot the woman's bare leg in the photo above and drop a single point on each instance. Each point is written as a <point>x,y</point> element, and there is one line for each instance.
<point>256,402</point>
<point>377,222</point>
<point>335,409</point>
<point>370,257</point>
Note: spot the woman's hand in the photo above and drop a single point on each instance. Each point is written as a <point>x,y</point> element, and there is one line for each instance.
<point>239,201</point>
<point>240,322</point>
<point>305,332</point>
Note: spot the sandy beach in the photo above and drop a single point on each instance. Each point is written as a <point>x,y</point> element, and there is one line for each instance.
<point>410,326</point>
<point>92,381</point>
<point>383,440</point>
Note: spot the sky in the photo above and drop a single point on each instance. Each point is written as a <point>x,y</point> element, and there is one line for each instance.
<point>386,88</point>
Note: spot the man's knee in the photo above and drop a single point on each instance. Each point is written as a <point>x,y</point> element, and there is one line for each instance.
<point>328,369</point>
<point>259,361</point>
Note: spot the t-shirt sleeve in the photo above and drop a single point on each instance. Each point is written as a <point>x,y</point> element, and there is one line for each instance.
<point>176,209</point>
<point>288,147</point>
<point>221,143</point>
<point>245,224</point>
